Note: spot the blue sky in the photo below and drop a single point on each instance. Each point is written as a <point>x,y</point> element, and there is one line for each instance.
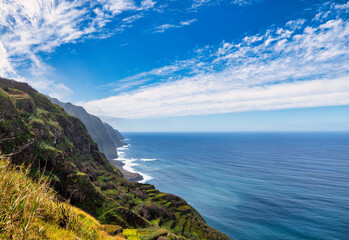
<point>186,65</point>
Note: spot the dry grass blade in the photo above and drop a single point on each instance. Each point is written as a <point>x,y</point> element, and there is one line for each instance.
<point>29,210</point>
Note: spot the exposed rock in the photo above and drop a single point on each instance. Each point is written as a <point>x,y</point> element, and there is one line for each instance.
<point>94,126</point>
<point>114,135</point>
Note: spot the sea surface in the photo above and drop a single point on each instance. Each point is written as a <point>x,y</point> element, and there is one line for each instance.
<point>252,185</point>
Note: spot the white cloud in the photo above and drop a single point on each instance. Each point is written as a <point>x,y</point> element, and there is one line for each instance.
<point>191,98</point>
<point>5,65</point>
<point>303,64</point>
<point>342,6</point>
<point>59,91</point>
<point>30,27</point>
<point>164,27</point>
<point>244,2</point>
<point>117,6</point>
<point>132,18</point>
<point>295,24</point>
<point>198,3</point>
<point>147,4</point>
<point>188,22</point>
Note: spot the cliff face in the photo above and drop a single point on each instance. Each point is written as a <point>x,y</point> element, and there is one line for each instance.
<point>114,135</point>
<point>106,137</point>
<point>38,133</point>
<point>107,141</point>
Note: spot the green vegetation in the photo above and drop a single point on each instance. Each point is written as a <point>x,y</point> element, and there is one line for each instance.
<point>46,147</point>
<point>30,210</point>
<point>41,137</point>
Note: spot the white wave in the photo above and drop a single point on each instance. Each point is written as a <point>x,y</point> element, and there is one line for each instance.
<point>125,147</point>
<point>148,159</point>
<point>121,156</point>
<point>129,164</point>
<point>145,178</point>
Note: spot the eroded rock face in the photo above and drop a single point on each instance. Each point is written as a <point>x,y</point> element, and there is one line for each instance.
<point>115,135</point>
<point>42,134</point>
<point>106,141</point>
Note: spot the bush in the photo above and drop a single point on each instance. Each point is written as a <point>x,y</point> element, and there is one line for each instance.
<point>139,193</point>
<point>153,211</point>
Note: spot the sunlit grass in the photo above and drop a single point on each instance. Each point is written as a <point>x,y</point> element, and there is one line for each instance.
<point>29,210</point>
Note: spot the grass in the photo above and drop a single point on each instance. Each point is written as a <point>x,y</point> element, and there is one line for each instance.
<point>54,124</point>
<point>47,147</point>
<point>109,228</point>
<point>30,210</point>
<point>149,234</point>
<point>40,111</point>
<point>35,120</point>
<point>17,94</point>
<point>65,145</point>
<point>168,204</point>
<point>183,208</point>
<point>81,174</point>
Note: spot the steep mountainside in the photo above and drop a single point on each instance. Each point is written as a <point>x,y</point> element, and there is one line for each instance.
<point>114,135</point>
<point>37,132</point>
<point>95,127</point>
<point>106,137</point>
<point>119,135</point>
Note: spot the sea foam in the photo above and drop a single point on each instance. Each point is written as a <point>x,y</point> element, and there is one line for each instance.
<point>129,163</point>
<point>148,159</point>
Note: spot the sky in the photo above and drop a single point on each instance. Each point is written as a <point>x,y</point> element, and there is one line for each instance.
<point>186,65</point>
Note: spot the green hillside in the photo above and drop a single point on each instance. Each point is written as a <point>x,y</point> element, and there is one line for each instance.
<point>39,134</point>
<point>30,210</point>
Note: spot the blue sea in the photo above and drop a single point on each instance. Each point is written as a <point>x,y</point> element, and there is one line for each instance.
<point>252,185</point>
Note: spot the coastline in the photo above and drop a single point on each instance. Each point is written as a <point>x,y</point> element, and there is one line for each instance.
<point>126,166</point>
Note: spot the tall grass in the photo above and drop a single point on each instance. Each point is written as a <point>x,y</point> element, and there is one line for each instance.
<point>29,210</point>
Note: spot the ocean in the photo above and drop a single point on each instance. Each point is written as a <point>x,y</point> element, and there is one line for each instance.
<point>252,185</point>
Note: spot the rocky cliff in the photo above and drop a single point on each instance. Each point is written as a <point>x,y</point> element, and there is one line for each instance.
<point>95,127</point>
<point>107,138</point>
<point>114,135</point>
<point>41,135</point>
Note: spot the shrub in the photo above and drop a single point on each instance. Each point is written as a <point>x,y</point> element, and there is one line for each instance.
<point>139,193</point>
<point>153,211</point>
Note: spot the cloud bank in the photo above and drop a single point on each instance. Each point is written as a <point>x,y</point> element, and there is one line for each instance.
<point>305,63</point>
<point>31,27</point>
